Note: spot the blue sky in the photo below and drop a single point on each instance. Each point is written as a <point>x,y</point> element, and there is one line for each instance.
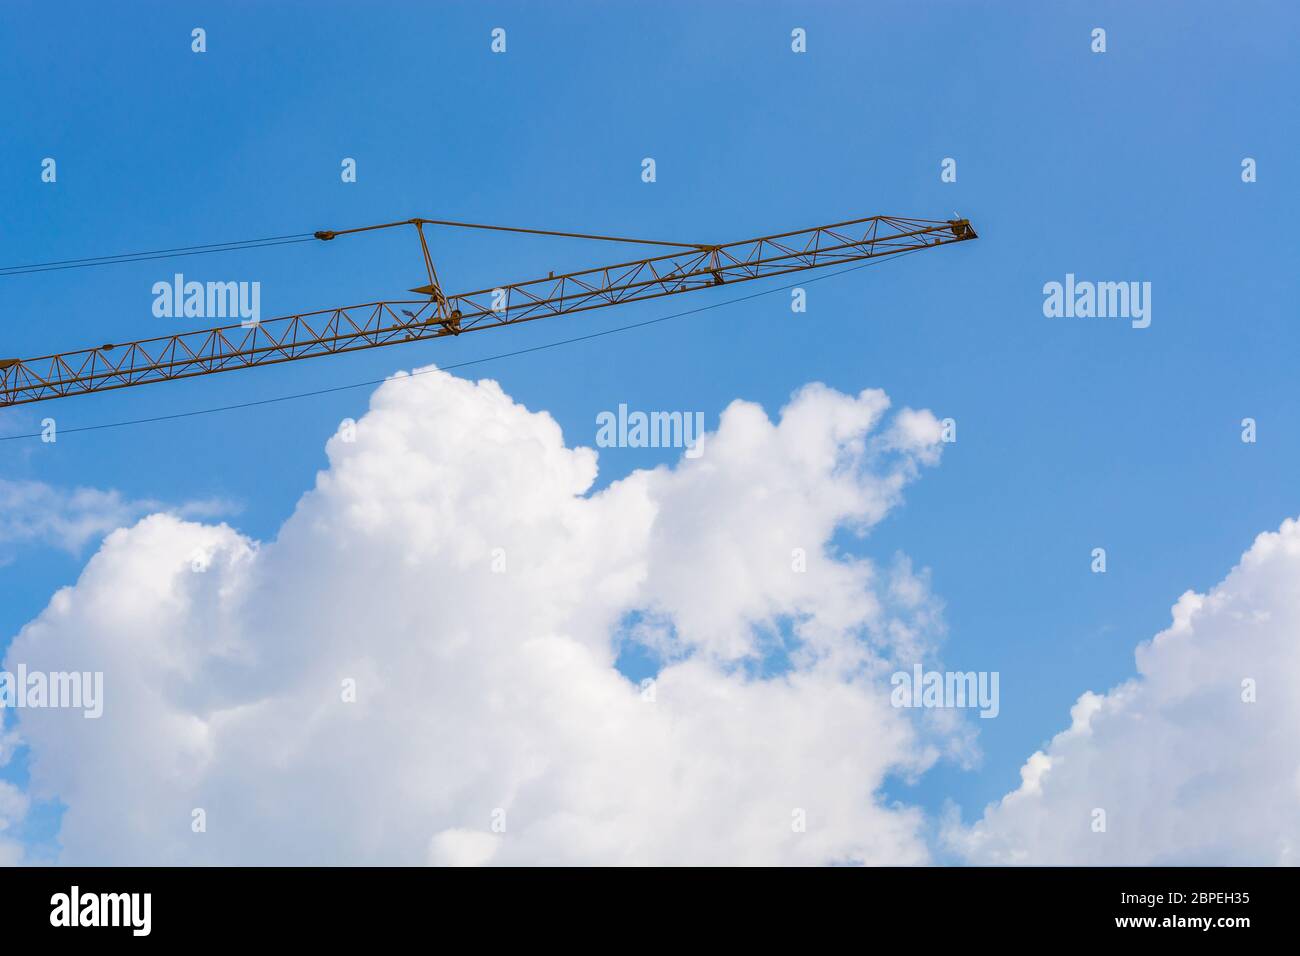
<point>1072,433</point>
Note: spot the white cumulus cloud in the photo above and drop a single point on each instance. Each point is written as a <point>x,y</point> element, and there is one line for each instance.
<point>454,568</point>
<point>1194,761</point>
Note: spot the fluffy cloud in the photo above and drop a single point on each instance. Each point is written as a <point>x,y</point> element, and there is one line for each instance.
<point>14,805</point>
<point>453,565</point>
<point>1194,761</point>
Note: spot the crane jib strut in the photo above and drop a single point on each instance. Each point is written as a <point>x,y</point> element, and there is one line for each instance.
<point>393,321</point>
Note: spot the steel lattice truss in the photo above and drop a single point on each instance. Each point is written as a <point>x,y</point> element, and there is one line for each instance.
<point>389,322</point>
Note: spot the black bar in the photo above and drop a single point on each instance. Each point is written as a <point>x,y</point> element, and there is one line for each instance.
<point>917,907</point>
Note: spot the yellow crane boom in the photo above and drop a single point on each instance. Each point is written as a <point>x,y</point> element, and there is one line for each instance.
<point>435,314</point>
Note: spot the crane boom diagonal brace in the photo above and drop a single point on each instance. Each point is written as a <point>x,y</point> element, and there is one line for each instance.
<point>390,322</point>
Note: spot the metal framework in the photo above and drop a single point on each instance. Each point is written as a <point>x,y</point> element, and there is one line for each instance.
<point>388,322</point>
